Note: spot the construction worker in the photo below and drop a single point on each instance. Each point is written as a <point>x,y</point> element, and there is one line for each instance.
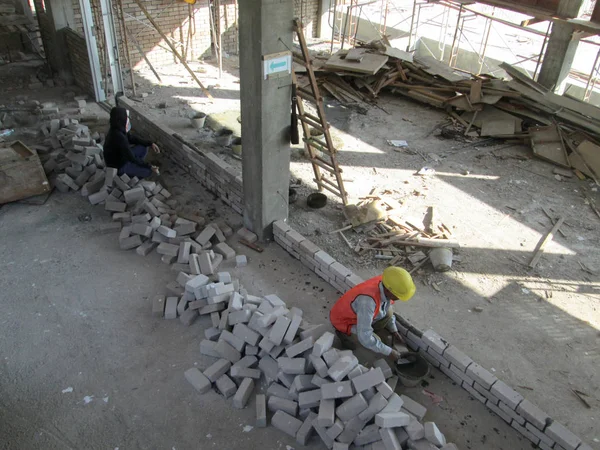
<point>367,309</point>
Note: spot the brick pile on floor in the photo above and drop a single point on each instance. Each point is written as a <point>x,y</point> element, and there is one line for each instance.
<point>312,388</point>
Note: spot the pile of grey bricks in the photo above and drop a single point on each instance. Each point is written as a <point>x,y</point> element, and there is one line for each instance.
<point>301,383</point>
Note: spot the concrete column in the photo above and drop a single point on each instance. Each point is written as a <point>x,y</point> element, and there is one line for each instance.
<point>265,27</point>
<point>560,52</point>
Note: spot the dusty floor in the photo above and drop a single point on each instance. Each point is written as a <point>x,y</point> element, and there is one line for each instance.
<point>491,196</point>
<point>48,256</point>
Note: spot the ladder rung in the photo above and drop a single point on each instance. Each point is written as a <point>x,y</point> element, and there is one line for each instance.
<point>321,143</point>
<point>311,122</point>
<point>310,97</point>
<point>300,61</point>
<point>322,165</point>
<point>329,182</point>
<point>329,188</point>
<point>315,118</point>
<point>328,163</point>
<point>316,145</point>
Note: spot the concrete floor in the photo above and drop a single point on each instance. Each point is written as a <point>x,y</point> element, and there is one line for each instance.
<point>85,365</point>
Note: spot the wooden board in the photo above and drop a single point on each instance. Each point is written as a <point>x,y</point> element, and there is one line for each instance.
<point>21,173</point>
<point>522,77</point>
<point>490,113</point>
<point>435,67</point>
<point>397,53</point>
<point>499,127</point>
<point>370,64</point>
<point>547,144</point>
<point>591,155</point>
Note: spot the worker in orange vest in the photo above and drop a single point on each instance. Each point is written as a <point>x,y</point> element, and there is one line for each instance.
<point>367,309</point>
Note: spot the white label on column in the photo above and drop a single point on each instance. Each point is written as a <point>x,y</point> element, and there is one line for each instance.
<point>277,66</point>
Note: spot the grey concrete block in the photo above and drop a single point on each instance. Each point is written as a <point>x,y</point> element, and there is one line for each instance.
<point>245,372</point>
<point>309,399</point>
<point>336,429</point>
<point>225,250</point>
<point>282,404</point>
<point>421,444</point>
<point>368,380</point>
<point>342,367</point>
<point>316,332</point>
<point>385,367</point>
<point>326,416</point>
<point>369,434</point>
<point>341,389</point>
<point>319,365</point>
<point>339,446</point>
<point>233,340</point>
<point>331,356</point>
<point>506,394</point>
<point>226,386</point>
<point>188,317</point>
<point>286,423</point>
<point>434,340</point>
<point>251,350</point>
<point>392,420</point>
<point>209,309</point>
<point>322,432</point>
<point>215,318</point>
<point>217,369</point>
<point>241,261</point>
<point>292,330</point>
<point>194,284</point>
<point>306,430</point>
<point>352,408</point>
<point>269,367</point>
<point>146,248</point>
<point>376,405</point>
<point>182,306</point>
<point>167,249</point>
<point>413,407</point>
<point>481,375</point>
<point>544,438</point>
<point>451,446</point>
<point>206,265</point>
<point>261,411</point>
<point>195,264</point>
<point>511,413</point>
<point>533,414</point>
<point>292,366</point>
<point>197,380</point>
<point>205,235</point>
<point>351,429</point>
<point>212,334</point>
<point>130,242</point>
<point>385,389</point>
<point>323,344</point>
<point>184,253</point>
<point>562,436</point>
<point>158,306</point>
<point>457,358</point>
<point>166,231</point>
<point>224,277</point>
<point>171,308</point>
<point>389,438</point>
<point>415,430</point>
<point>249,336</point>
<point>299,348</point>
<point>279,329</point>
<point>288,381</point>
<point>243,393</point>
<point>303,383</point>
<point>318,381</point>
<point>395,403</point>
<point>239,317</point>
<point>277,390</point>
<point>277,351</point>
<point>227,351</point>
<point>209,348</point>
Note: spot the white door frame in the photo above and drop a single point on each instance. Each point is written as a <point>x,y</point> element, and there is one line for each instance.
<point>89,31</point>
<point>112,46</point>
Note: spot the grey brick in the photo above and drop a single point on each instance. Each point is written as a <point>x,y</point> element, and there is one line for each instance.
<point>158,306</point>
<point>487,394</point>
<point>395,403</point>
<point>316,332</point>
<point>227,351</point>
<point>341,389</point>
<point>434,340</point>
<point>206,265</point>
<point>562,436</point>
<point>171,308</point>
<point>306,430</point>
<point>209,309</point>
<point>506,394</point>
<point>197,380</point>
<point>188,317</point>
<point>318,381</point>
<point>457,358</point>
<point>146,248</point>
<point>269,367</point>
<point>286,423</point>
<point>244,372</point>
<point>533,414</point>
<point>299,348</point>
<point>342,367</point>
<point>282,404</point>
<point>434,435</point>
<point>233,340</point>
<point>195,264</point>
<point>322,432</point>
<point>292,366</point>
<point>292,330</point>
<point>277,390</point>
<point>339,446</point>
<point>212,334</point>
<point>278,330</point>
<point>326,416</point>
<point>336,429</point>
<point>331,356</point>
<point>215,318</point>
<point>475,394</point>
<point>225,250</point>
<point>352,428</point>
<point>415,430</point>
<point>307,248</point>
<point>217,369</point>
<point>303,383</point>
<point>243,332</point>
<point>239,317</point>
<point>209,348</point>
<point>261,411</point>
<point>309,399</point>
<point>461,375</point>
<point>385,390</point>
<point>226,386</point>
<point>389,438</point>
<point>319,365</point>
<point>369,434</point>
<point>525,432</point>
<point>385,367</point>
<point>493,407</point>
<point>323,344</point>
<point>416,409</point>
<point>540,435</point>
<point>392,420</point>
<point>323,259</point>
<point>511,413</point>
<point>368,380</point>
<point>376,405</point>
<point>243,393</point>
<point>481,375</point>
<point>352,408</point>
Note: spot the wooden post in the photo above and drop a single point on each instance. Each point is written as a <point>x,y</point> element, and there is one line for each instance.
<point>173,49</point>
<point>218,31</point>
<point>126,43</point>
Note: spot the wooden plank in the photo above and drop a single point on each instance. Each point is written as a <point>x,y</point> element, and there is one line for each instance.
<point>547,144</point>
<point>21,173</point>
<point>590,153</point>
<point>475,94</point>
<point>539,249</point>
<point>516,74</point>
<point>355,54</point>
<point>435,67</point>
<point>491,113</point>
<point>370,64</point>
<point>397,53</point>
<point>500,127</point>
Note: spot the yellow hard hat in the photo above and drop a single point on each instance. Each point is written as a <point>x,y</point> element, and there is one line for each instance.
<point>399,282</point>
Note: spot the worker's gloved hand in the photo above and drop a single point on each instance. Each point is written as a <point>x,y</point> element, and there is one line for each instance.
<point>394,356</point>
<point>156,148</point>
<point>156,170</point>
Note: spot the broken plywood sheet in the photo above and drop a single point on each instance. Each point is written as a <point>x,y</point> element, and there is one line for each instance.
<point>591,155</point>
<point>523,77</point>
<point>21,173</point>
<point>499,127</point>
<point>370,63</point>
<point>435,67</point>
<point>397,53</point>
<point>547,144</point>
<point>491,113</point>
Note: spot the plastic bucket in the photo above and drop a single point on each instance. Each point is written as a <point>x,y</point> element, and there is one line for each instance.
<point>224,137</point>
<point>410,375</point>
<point>198,120</point>
<point>441,259</point>
<point>236,146</point>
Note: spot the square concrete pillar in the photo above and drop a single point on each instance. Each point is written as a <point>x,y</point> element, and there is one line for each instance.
<point>265,28</point>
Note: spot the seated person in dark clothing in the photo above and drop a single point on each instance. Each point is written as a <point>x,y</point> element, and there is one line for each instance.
<point>123,150</point>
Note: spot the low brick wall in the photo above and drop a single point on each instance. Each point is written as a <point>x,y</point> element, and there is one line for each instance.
<point>509,405</point>
<point>211,171</point>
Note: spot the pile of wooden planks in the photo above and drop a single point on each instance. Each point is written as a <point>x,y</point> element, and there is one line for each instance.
<point>560,129</point>
<point>393,236</point>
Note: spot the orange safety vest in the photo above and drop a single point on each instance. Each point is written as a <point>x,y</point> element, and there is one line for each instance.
<point>342,316</point>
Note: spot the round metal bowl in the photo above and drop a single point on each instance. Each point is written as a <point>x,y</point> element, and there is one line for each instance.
<point>316,200</point>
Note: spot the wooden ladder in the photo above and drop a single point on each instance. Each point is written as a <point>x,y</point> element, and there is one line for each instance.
<point>322,153</point>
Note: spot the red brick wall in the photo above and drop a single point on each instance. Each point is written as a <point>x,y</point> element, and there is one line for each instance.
<point>80,63</point>
<point>307,11</point>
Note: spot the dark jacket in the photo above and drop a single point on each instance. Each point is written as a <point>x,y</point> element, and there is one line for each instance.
<point>117,149</point>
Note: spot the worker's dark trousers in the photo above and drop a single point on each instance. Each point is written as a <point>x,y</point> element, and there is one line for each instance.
<point>132,169</point>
